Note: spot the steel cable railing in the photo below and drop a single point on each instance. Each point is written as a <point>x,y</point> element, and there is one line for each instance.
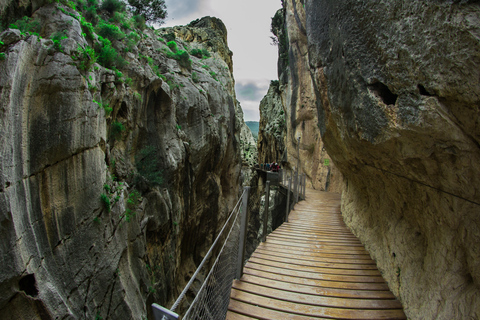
<point>211,301</point>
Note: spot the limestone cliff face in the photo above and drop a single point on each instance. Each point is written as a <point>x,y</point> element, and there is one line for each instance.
<point>165,158</point>
<point>397,86</point>
<point>272,126</point>
<point>248,150</point>
<point>299,100</point>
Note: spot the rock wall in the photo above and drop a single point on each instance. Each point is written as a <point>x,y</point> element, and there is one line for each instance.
<point>112,186</point>
<point>299,100</point>
<point>397,87</point>
<point>272,126</point>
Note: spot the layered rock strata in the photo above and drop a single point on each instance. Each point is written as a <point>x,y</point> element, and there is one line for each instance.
<point>299,102</point>
<point>397,92</point>
<point>112,186</point>
<point>272,126</point>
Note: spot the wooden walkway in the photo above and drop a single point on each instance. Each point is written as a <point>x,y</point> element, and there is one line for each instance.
<point>312,267</point>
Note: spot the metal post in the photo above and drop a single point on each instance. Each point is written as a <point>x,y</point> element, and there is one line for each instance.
<point>297,183</point>
<point>288,198</point>
<point>304,184</point>
<point>265,213</point>
<point>243,232</point>
<point>161,313</point>
<point>293,190</point>
<point>280,176</point>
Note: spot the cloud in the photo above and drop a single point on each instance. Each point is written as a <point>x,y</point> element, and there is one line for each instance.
<point>250,90</point>
<point>184,8</point>
<point>250,110</point>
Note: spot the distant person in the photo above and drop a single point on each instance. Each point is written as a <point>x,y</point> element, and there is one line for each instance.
<point>268,166</point>
<point>275,167</point>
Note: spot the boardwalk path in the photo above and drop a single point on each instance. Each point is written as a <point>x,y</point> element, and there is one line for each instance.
<point>312,267</point>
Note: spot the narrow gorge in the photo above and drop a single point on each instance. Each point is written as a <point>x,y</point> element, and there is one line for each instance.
<point>390,90</point>
<point>123,148</point>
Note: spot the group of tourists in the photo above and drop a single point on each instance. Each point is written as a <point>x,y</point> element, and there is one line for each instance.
<point>274,167</point>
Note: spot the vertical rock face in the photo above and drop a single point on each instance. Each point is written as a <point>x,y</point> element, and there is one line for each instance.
<point>172,147</point>
<point>299,100</point>
<point>249,151</point>
<point>272,127</point>
<point>397,85</point>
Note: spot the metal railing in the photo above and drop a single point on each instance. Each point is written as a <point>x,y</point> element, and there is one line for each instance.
<point>211,300</point>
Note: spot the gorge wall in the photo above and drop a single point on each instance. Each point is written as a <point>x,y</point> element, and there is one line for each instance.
<point>114,182</point>
<point>298,116</point>
<point>395,90</point>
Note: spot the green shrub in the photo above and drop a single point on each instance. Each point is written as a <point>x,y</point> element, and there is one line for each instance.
<point>182,57</point>
<point>214,75</point>
<point>138,22</point>
<point>26,24</point>
<point>3,56</point>
<point>113,6</point>
<point>57,40</point>
<point>87,28</point>
<point>195,77</point>
<point>200,53</point>
<point>132,40</point>
<point>173,46</point>
<point>118,17</point>
<point>147,165</point>
<point>108,110</point>
<point>116,130</point>
<point>106,202</point>
<point>170,36</point>
<point>109,31</point>
<point>86,57</point>
<point>107,55</point>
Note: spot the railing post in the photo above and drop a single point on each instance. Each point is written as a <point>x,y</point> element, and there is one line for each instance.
<point>288,198</point>
<point>265,213</point>
<point>297,184</point>
<point>304,184</point>
<point>243,233</point>
<point>161,313</point>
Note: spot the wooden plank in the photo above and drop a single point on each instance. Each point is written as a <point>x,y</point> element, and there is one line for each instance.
<point>315,300</point>
<point>313,267</point>
<point>317,246</point>
<point>311,275</point>
<point>236,316</point>
<point>309,251</point>
<point>323,241</point>
<point>315,237</point>
<point>311,288</point>
<point>323,257</point>
<point>262,313</point>
<point>316,311</point>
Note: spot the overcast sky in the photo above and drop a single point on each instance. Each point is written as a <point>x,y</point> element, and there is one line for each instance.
<point>248,25</point>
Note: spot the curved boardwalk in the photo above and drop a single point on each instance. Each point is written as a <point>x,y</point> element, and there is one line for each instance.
<point>312,267</point>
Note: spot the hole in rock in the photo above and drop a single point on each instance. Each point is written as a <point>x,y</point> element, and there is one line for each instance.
<point>382,92</point>
<point>394,255</point>
<point>123,112</point>
<point>424,91</point>
<point>28,285</point>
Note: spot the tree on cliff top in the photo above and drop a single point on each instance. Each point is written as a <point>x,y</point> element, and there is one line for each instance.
<point>153,11</point>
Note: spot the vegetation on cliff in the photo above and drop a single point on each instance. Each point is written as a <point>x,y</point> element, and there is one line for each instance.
<point>122,154</point>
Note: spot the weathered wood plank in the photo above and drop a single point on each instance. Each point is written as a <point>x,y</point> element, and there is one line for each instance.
<point>312,267</point>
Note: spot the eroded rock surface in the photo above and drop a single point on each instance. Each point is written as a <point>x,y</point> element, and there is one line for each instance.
<point>166,156</point>
<point>397,86</point>
<point>299,99</point>
<point>272,126</point>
